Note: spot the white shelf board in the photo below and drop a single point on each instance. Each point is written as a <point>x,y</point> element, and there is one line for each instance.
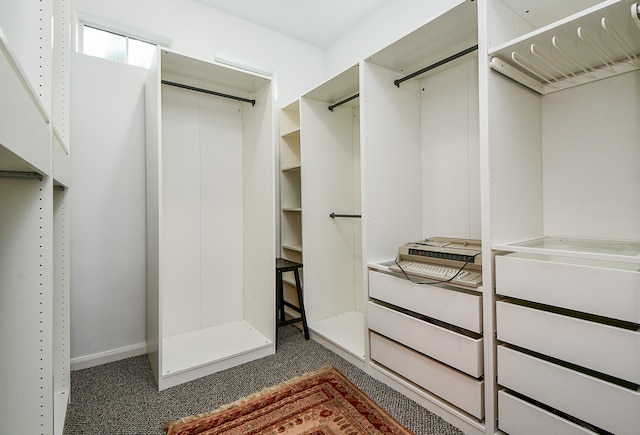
<point>292,247</point>
<point>542,12</point>
<point>295,133</point>
<point>552,69</point>
<point>289,281</point>
<point>345,330</point>
<point>291,168</point>
<point>207,75</point>
<point>382,266</point>
<point>337,88</point>
<point>11,59</point>
<point>209,345</point>
<point>293,106</point>
<point>581,18</point>
<point>12,163</point>
<point>606,250</point>
<point>447,34</point>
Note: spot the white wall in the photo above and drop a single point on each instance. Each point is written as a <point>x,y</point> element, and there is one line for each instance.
<point>200,31</point>
<point>107,208</point>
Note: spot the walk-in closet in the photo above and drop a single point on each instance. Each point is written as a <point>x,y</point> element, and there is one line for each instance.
<point>210,191</point>
<point>506,131</point>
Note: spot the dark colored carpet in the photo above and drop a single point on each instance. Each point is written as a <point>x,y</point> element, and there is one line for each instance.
<point>122,398</point>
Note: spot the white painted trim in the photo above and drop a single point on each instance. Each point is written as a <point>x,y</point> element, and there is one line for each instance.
<point>96,359</point>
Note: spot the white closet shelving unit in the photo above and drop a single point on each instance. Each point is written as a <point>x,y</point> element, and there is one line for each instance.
<point>562,193</point>
<point>421,178</point>
<point>34,232</point>
<point>290,187</point>
<point>290,199</point>
<point>330,155</point>
<point>210,199</point>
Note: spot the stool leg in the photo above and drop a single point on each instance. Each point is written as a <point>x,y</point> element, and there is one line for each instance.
<point>301,302</point>
<point>279,296</point>
<point>280,315</point>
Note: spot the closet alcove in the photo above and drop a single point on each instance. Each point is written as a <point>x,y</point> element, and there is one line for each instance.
<point>421,178</point>
<point>331,209</point>
<point>210,218</point>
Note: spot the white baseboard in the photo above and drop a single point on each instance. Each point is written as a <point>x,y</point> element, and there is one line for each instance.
<point>96,359</point>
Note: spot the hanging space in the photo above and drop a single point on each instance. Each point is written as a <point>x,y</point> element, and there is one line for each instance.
<point>331,223</point>
<point>210,241</point>
<point>564,99</point>
<point>420,142</point>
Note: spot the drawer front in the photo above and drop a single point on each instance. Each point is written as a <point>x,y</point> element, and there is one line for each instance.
<point>460,308</point>
<point>603,404</point>
<point>457,388</point>
<point>24,130</point>
<point>609,292</point>
<point>606,349</point>
<point>518,417</point>
<point>456,350</point>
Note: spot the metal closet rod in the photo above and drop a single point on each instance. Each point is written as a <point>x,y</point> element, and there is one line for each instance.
<point>436,65</point>
<point>346,100</point>
<point>206,91</point>
<point>334,215</point>
<point>18,174</point>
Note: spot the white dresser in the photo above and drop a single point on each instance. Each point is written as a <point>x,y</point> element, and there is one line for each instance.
<point>568,344</point>
<point>430,335</point>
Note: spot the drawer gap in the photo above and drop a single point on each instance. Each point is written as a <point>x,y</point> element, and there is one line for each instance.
<point>602,376</point>
<point>431,320</point>
<point>575,314</point>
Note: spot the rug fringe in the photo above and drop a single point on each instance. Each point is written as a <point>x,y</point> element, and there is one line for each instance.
<point>168,425</point>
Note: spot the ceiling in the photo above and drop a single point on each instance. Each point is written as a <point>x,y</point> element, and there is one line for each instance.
<point>316,22</point>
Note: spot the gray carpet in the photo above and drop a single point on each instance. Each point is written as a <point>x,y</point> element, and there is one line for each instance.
<point>122,398</point>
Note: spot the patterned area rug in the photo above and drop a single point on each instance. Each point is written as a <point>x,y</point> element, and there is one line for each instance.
<point>324,402</point>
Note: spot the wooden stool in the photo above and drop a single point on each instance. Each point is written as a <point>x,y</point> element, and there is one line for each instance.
<point>283,266</point>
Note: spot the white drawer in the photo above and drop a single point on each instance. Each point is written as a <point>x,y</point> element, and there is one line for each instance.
<point>518,417</point>
<point>460,390</point>
<point>460,308</point>
<point>604,288</point>
<point>606,349</point>
<point>603,404</point>
<point>454,349</point>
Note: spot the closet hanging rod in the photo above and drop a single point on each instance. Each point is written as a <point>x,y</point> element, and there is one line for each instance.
<point>436,65</point>
<point>24,175</point>
<point>206,91</point>
<point>346,100</point>
<point>334,215</point>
